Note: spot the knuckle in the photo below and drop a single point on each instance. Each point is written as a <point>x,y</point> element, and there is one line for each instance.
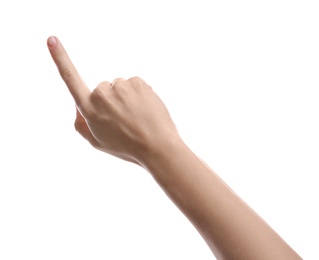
<point>134,82</point>
<point>99,92</point>
<point>138,83</point>
<point>66,75</point>
<point>118,84</point>
<point>135,79</point>
<point>104,84</point>
<point>117,81</point>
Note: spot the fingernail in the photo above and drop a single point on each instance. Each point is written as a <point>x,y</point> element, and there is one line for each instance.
<point>52,41</point>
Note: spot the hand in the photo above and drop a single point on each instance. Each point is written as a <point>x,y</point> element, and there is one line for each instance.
<point>124,118</point>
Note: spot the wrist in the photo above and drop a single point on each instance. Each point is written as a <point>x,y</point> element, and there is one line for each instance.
<point>159,157</point>
<point>160,149</point>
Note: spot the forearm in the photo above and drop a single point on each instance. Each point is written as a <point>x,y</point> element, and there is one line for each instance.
<point>229,226</point>
<point>127,119</point>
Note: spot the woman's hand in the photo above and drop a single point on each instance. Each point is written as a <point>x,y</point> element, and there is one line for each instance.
<point>124,118</point>
<point>127,119</point>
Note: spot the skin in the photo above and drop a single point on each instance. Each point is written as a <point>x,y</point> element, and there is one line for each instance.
<point>125,118</point>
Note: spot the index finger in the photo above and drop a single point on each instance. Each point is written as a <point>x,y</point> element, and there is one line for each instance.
<point>68,72</point>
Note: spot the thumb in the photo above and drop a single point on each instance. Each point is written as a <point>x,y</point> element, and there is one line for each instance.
<point>83,129</point>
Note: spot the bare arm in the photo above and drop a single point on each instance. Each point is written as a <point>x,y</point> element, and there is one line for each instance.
<point>127,119</point>
<point>229,226</point>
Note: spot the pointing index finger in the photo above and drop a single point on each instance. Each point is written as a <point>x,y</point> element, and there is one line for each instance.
<point>68,72</point>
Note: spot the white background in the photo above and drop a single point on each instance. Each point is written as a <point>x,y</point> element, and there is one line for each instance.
<point>240,79</point>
